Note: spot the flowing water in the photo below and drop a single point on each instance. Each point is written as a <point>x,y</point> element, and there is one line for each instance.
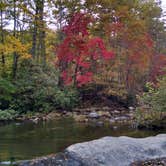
<point>20,141</point>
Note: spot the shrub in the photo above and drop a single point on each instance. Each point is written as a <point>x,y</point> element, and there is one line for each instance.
<point>152,104</point>
<point>7,89</point>
<point>66,98</point>
<point>37,90</point>
<point>155,97</point>
<point>8,114</point>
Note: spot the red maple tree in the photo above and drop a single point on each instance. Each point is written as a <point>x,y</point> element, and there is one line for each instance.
<point>79,53</point>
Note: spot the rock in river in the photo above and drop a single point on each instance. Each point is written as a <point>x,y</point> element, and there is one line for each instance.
<point>93,115</point>
<point>108,151</point>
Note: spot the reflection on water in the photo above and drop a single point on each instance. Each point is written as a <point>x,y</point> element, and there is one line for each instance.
<point>28,140</point>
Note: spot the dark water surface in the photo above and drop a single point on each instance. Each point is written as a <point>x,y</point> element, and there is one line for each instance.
<point>29,140</point>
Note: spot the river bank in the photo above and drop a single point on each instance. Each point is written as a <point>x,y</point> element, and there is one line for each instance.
<point>83,115</point>
<point>95,115</point>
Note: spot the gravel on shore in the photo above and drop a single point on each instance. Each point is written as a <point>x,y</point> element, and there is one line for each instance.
<point>153,162</point>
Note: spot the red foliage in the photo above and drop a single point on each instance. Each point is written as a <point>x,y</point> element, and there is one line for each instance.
<point>84,79</point>
<point>78,24</point>
<point>158,67</point>
<point>149,41</point>
<point>78,51</point>
<point>107,54</point>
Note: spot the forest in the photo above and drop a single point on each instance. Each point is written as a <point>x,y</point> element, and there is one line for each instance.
<point>56,55</point>
<point>78,70</point>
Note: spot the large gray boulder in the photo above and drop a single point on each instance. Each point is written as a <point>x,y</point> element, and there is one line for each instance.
<point>121,151</point>
<point>107,151</point>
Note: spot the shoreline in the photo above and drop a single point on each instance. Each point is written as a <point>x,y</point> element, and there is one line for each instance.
<point>95,114</point>
<point>82,115</point>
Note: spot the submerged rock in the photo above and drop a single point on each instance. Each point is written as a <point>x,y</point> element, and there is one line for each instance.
<point>121,118</point>
<point>107,151</point>
<point>112,121</point>
<point>79,118</point>
<point>131,108</point>
<point>94,115</point>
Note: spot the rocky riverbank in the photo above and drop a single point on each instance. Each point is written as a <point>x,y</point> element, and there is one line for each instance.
<point>98,115</point>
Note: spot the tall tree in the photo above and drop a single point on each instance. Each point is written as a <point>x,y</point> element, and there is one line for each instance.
<point>2,7</point>
<point>39,31</point>
<point>42,33</point>
<point>78,52</point>
<point>15,56</point>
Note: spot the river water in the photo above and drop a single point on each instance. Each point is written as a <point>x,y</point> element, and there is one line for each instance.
<point>20,141</point>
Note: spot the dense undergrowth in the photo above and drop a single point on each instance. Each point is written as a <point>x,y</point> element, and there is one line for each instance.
<point>152,103</point>
<point>35,89</point>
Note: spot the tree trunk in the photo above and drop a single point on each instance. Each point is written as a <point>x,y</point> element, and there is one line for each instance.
<point>2,41</point>
<point>34,34</point>
<point>15,56</point>
<point>42,52</point>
